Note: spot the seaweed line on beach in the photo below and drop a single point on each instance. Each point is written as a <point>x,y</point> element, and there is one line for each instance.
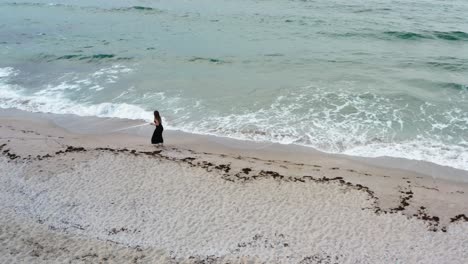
<point>246,175</point>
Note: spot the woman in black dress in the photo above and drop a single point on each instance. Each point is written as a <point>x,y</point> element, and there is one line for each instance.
<point>157,134</point>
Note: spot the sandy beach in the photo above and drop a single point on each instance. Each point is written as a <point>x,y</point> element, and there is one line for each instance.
<point>71,191</point>
<point>295,132</point>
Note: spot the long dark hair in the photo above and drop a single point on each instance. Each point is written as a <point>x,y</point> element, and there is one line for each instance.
<point>157,117</point>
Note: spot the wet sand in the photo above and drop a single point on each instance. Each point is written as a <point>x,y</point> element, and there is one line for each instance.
<point>79,193</point>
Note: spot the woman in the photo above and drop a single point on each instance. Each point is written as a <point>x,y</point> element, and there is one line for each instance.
<point>157,134</point>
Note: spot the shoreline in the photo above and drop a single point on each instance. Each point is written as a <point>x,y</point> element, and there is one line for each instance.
<point>114,197</point>
<point>100,125</point>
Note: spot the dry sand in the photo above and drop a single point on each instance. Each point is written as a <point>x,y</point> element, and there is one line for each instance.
<point>112,198</point>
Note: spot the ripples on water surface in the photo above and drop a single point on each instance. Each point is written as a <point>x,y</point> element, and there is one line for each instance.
<point>368,78</point>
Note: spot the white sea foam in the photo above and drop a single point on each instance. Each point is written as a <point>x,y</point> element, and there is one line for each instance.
<point>51,99</point>
<point>55,103</point>
<point>111,74</point>
<point>455,156</point>
<point>425,150</point>
<point>340,123</point>
<point>7,72</point>
<point>355,124</point>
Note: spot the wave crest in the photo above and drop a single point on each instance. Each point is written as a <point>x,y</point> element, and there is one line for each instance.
<point>82,57</point>
<point>449,35</point>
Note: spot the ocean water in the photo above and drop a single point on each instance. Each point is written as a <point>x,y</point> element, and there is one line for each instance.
<point>360,77</point>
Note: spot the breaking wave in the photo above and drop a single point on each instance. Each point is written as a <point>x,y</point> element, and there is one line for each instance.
<point>361,124</point>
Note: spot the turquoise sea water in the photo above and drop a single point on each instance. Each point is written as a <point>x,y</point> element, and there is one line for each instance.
<point>367,78</point>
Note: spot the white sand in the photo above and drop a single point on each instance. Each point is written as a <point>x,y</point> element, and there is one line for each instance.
<point>102,205</point>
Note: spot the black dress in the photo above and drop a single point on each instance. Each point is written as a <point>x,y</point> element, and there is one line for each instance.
<point>157,135</point>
